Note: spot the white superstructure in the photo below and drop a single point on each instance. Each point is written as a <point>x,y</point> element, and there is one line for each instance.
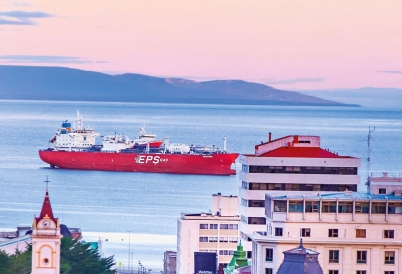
<point>288,164</point>
<point>69,138</point>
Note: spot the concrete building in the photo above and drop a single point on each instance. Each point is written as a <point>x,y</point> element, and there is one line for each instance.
<point>353,232</point>
<point>169,262</point>
<point>215,232</point>
<point>289,164</point>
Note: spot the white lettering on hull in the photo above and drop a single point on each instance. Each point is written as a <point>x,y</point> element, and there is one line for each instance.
<point>145,159</point>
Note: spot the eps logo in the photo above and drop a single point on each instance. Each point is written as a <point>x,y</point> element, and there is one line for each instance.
<point>144,159</point>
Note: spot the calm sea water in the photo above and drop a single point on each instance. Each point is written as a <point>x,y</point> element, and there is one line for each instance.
<point>107,205</point>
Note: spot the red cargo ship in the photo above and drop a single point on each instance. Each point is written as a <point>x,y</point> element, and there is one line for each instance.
<point>76,149</point>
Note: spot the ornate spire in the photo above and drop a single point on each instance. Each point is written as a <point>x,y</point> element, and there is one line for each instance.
<point>301,244</point>
<point>46,211</point>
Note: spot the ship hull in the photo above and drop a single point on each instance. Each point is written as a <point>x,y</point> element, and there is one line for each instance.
<point>214,164</point>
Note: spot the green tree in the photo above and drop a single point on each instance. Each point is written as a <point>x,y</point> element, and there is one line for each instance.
<point>75,258</point>
<point>4,262</point>
<point>20,262</point>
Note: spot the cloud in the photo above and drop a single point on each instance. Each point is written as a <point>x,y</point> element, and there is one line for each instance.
<point>50,59</point>
<point>391,71</point>
<point>21,17</point>
<point>292,81</point>
<point>21,4</point>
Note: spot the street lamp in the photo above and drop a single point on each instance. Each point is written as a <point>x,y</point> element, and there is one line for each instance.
<point>139,267</point>
<point>132,261</point>
<point>129,247</point>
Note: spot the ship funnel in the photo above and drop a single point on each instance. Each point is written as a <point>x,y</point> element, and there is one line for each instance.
<point>224,143</point>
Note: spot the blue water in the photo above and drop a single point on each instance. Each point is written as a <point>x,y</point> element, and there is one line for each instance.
<point>108,204</point>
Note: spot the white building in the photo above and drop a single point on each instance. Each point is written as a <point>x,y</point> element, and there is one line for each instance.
<point>215,232</point>
<point>353,232</point>
<point>288,164</point>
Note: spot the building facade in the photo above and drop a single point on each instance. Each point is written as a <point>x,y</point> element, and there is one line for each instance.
<point>215,232</point>
<point>355,233</point>
<point>289,164</point>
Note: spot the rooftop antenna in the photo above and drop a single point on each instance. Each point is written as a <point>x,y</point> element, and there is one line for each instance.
<point>368,156</point>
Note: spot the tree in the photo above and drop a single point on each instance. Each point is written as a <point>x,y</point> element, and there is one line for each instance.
<point>75,258</point>
<point>4,262</point>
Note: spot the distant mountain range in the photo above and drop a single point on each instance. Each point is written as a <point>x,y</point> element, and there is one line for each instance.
<point>65,84</point>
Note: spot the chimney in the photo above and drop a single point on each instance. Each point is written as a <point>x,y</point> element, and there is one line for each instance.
<point>269,137</point>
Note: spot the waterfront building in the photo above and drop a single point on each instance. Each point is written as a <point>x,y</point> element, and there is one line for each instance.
<point>353,232</point>
<point>215,232</point>
<point>285,165</point>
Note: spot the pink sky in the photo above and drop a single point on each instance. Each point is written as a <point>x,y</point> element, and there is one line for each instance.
<point>293,45</point>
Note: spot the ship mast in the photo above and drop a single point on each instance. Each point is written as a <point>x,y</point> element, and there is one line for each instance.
<point>79,121</point>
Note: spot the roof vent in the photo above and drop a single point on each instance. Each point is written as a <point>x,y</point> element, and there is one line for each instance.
<point>348,192</point>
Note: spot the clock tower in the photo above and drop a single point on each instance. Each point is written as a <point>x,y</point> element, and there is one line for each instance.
<point>46,241</point>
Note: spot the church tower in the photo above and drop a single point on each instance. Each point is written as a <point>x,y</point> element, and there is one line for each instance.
<point>46,241</point>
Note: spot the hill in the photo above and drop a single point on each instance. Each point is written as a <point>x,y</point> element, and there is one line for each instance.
<point>66,84</point>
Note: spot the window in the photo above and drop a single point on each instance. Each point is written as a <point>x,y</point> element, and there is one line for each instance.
<point>329,207</point>
<point>312,206</point>
<point>233,240</point>
<point>278,231</point>
<point>333,272</point>
<point>305,232</point>
<point>360,233</point>
<point>361,272</point>
<point>345,207</point>
<point>334,256</point>
<point>378,208</point>
<point>256,203</point>
<point>295,206</point>
<point>388,234</point>
<point>223,239</point>
<point>232,226</point>
<point>268,271</point>
<point>394,208</point>
<point>213,239</point>
<point>279,206</point>
<point>213,226</point>
<point>389,257</point>
<point>269,253</point>
<point>203,226</point>
<point>361,257</point>
<point>257,221</point>
<point>333,233</point>
<point>223,252</point>
<point>362,207</point>
<point>389,272</point>
<point>223,226</point>
<point>382,191</point>
<point>203,239</point>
